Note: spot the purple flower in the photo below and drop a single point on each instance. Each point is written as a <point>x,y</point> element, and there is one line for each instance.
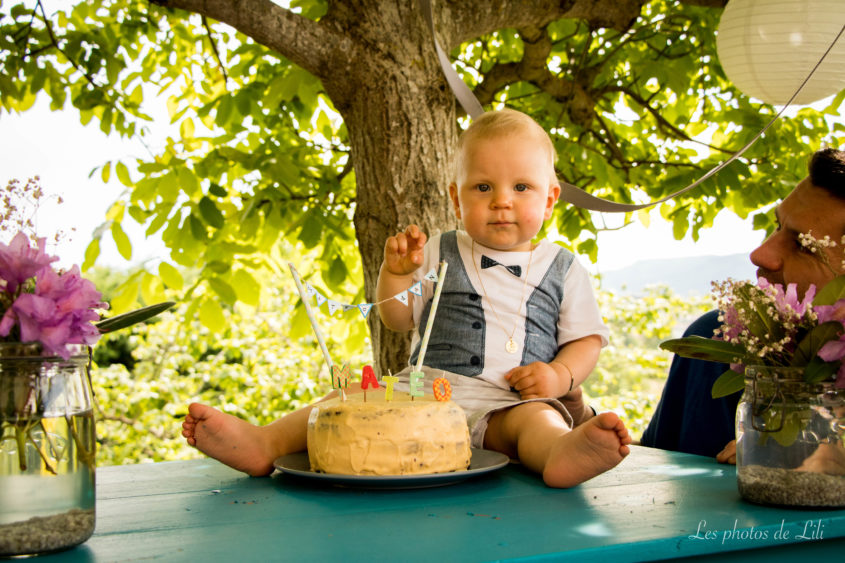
<point>835,312</point>
<point>19,261</point>
<point>59,312</point>
<point>788,300</point>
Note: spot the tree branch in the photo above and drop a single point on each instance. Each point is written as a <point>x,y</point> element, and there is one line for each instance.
<point>312,46</point>
<point>214,48</point>
<point>664,125</point>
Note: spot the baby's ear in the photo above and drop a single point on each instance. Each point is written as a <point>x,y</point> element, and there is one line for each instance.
<point>551,199</point>
<point>453,195</point>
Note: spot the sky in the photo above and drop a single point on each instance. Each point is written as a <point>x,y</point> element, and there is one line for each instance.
<point>62,152</point>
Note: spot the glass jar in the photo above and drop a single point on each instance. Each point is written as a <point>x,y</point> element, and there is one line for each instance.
<point>789,439</point>
<point>47,450</point>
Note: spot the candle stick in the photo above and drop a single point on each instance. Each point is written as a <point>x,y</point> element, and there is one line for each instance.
<point>389,381</point>
<point>431,313</point>
<point>311,318</point>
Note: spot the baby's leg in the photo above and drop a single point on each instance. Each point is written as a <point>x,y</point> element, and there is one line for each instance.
<point>537,435</point>
<point>241,445</point>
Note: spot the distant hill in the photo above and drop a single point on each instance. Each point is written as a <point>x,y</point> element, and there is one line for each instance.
<point>683,275</point>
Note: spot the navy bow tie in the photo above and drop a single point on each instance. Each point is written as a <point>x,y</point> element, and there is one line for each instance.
<point>487,262</point>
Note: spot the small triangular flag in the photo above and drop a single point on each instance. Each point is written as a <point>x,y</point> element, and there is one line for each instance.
<point>309,289</point>
<point>365,309</point>
<point>348,307</point>
<point>416,289</point>
<point>431,275</point>
<point>402,297</point>
<point>320,299</point>
<point>334,306</point>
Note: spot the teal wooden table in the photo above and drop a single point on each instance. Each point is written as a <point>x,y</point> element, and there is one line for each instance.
<point>655,505</point>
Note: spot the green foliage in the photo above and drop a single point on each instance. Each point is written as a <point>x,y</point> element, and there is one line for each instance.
<point>259,368</point>
<point>261,156</point>
<point>252,369</point>
<point>632,369</point>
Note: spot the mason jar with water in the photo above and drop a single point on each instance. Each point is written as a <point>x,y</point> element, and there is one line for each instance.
<point>47,449</point>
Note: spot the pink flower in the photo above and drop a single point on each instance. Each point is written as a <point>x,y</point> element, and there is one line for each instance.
<point>835,312</point>
<point>834,350</point>
<point>60,312</point>
<point>19,261</point>
<point>785,300</point>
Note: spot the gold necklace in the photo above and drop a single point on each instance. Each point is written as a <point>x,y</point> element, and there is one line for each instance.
<point>510,346</point>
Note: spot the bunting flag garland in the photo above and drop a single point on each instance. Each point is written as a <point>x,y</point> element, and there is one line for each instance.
<point>416,289</point>
<point>365,308</point>
<point>334,306</point>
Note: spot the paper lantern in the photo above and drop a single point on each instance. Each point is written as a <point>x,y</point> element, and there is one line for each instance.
<point>768,47</point>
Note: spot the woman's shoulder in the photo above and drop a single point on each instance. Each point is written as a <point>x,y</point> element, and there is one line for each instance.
<point>704,325</point>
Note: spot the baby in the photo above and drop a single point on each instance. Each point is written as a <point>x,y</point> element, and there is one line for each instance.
<point>516,332</point>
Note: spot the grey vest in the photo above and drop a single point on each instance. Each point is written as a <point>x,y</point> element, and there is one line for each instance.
<point>456,343</point>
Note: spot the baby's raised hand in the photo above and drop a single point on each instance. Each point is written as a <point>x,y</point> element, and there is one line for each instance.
<point>403,253</point>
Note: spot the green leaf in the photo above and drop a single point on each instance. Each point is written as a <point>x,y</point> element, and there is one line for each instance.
<point>125,295</point>
<point>124,246</point>
<point>105,172</point>
<point>311,231</point>
<point>249,290</point>
<point>152,289</point>
<point>337,271</point>
<point>198,230</point>
<point>170,276</point>
<point>210,213</point>
<point>123,174</point>
<point>132,317</point>
<point>224,290</point>
<point>819,370</point>
<point>211,315</point>
<point>188,181</point>
<point>812,342</point>
<point>702,348</point>
<point>92,252</point>
<point>832,292</point>
<point>727,384</point>
<point>217,190</point>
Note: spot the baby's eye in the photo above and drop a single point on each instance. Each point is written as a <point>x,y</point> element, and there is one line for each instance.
<point>483,187</point>
<point>521,187</point>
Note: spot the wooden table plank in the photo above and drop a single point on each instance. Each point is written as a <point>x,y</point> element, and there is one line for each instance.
<point>655,505</point>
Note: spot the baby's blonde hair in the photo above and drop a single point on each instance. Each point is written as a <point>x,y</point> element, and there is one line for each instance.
<point>501,123</point>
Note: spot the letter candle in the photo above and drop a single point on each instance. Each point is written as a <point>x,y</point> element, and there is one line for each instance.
<point>340,379</point>
<point>415,384</point>
<point>368,379</point>
<point>431,314</point>
<point>388,390</point>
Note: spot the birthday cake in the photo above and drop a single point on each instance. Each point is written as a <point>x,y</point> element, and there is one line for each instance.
<point>379,437</point>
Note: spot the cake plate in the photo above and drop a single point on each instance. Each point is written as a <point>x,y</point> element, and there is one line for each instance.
<point>481,462</point>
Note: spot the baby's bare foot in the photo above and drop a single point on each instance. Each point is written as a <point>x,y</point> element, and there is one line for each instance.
<point>589,450</point>
<point>228,439</point>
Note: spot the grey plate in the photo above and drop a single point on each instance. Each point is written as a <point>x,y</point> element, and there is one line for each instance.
<point>481,462</point>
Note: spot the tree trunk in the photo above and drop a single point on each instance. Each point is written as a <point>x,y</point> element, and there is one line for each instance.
<point>402,138</point>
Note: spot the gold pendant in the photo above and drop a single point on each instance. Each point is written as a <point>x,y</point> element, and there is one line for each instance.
<point>511,346</point>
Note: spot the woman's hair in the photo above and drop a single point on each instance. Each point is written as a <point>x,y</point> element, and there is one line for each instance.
<point>827,170</point>
<point>501,123</point>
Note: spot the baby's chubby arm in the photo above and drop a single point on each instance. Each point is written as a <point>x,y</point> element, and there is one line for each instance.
<point>570,367</point>
<point>403,255</point>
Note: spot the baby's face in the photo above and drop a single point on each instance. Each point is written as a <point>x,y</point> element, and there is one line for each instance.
<point>504,191</point>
